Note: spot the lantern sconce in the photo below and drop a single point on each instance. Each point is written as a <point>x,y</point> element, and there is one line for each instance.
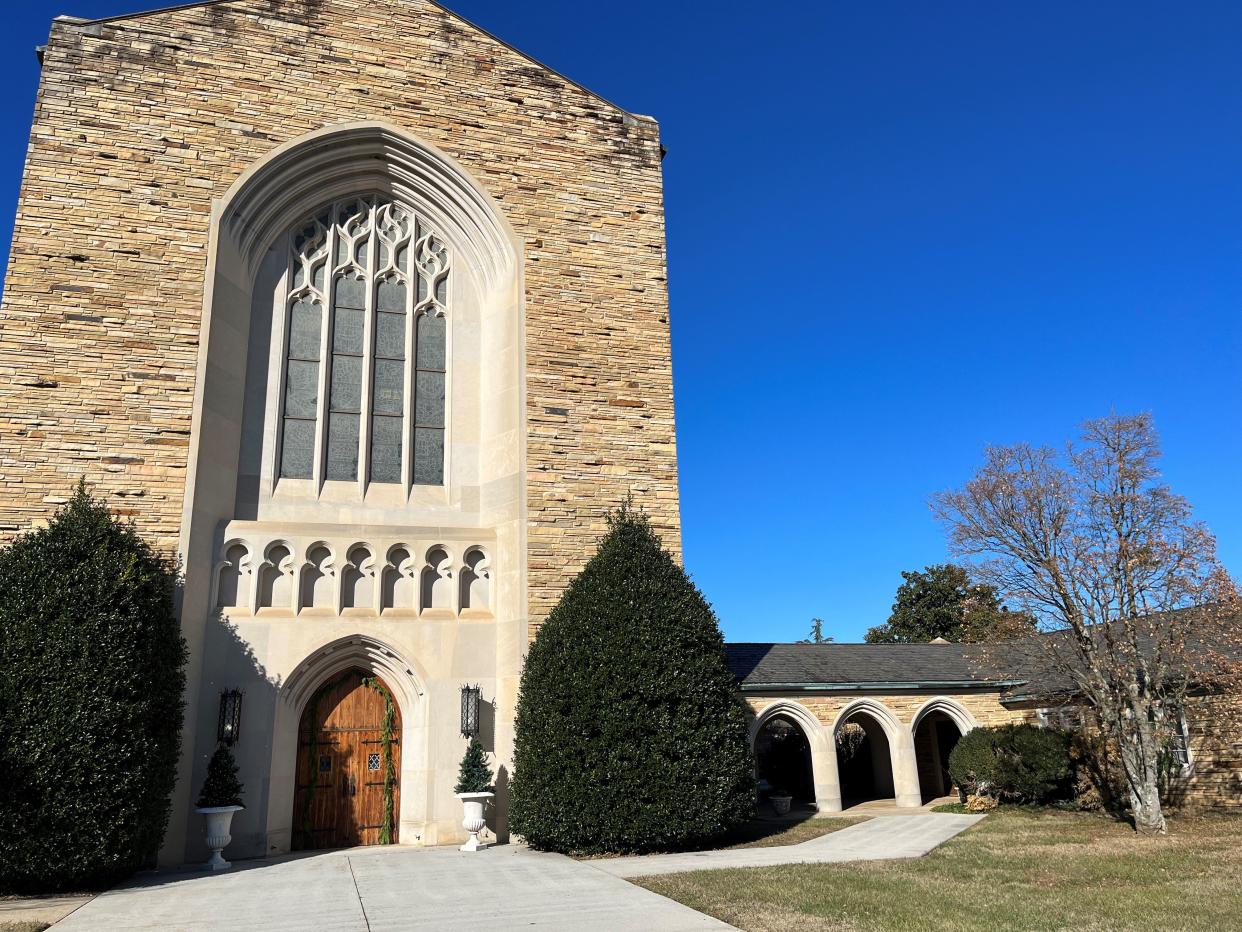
<point>229,729</point>
<point>469,711</point>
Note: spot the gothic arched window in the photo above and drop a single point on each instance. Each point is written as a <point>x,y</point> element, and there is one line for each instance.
<point>366,280</point>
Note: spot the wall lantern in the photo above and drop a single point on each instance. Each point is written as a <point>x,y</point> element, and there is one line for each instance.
<point>469,711</point>
<point>229,728</point>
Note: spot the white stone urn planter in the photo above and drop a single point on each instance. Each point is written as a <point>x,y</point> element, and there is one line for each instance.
<point>473,821</point>
<point>781,804</point>
<point>219,819</point>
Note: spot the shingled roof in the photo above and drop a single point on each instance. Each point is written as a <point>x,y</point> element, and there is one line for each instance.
<point>1022,667</point>
<point>851,666</point>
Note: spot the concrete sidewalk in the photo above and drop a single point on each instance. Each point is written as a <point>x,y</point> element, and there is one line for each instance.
<point>874,840</point>
<point>373,889</point>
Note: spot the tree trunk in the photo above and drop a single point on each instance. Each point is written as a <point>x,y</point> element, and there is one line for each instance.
<point>1148,816</point>
<point>1140,757</point>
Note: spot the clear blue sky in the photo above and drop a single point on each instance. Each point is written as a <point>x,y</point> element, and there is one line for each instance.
<point>899,232</point>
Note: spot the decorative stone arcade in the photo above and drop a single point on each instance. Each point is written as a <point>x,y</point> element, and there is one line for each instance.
<point>865,752</point>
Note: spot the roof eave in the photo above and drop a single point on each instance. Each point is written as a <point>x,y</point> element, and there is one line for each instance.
<point>856,687</point>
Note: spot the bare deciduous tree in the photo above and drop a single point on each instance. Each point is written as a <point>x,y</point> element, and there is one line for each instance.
<point>1113,566</point>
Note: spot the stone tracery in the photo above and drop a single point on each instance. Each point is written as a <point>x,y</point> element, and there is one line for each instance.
<point>367,278</point>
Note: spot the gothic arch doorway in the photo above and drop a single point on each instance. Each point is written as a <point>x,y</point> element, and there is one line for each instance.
<point>864,759</point>
<point>347,789</point>
<point>783,759</point>
<point>935,736</point>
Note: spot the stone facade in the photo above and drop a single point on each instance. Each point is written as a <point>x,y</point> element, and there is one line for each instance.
<point>142,121</point>
<point>1214,777</point>
<point>906,759</point>
<point>983,705</point>
<point>1212,780</point>
<point>137,313</point>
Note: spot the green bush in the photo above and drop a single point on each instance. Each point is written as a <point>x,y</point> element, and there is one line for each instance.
<point>1016,763</point>
<point>91,677</point>
<point>474,776</point>
<point>222,787</point>
<point>630,735</point>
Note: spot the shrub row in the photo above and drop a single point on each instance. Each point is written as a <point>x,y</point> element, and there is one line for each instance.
<point>91,676</point>
<point>1014,763</point>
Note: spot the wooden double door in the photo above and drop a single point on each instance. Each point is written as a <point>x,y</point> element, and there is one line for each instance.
<point>339,799</point>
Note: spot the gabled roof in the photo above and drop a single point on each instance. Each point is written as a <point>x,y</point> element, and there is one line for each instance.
<point>1024,667</point>
<point>855,666</point>
<point>77,21</point>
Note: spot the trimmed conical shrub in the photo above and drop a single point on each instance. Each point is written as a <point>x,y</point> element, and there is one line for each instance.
<point>91,676</point>
<point>222,786</point>
<point>474,775</point>
<point>630,733</point>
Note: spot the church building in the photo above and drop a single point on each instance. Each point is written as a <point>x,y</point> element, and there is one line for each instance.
<point>363,314</point>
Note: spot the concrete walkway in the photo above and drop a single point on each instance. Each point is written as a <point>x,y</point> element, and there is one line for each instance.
<point>876,839</point>
<point>507,887</point>
<point>373,889</point>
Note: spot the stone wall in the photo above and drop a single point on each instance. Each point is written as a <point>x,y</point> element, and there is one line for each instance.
<point>142,121</point>
<point>983,705</point>
<point>1215,776</point>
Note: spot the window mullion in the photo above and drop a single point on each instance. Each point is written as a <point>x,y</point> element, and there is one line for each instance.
<point>368,353</point>
<point>411,332</point>
<point>319,472</point>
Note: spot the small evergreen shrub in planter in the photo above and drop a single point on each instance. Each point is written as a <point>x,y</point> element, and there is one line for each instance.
<point>1016,763</point>
<point>91,676</point>
<point>221,796</point>
<point>630,735</point>
<point>474,775</point>
<point>222,787</point>
<point>474,789</point>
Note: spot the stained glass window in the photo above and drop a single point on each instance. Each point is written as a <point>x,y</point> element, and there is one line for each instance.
<point>366,279</point>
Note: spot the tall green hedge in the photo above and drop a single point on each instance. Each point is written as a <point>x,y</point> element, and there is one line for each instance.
<point>91,679</point>
<point>1019,763</point>
<point>630,733</point>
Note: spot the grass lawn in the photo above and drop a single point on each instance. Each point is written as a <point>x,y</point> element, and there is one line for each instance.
<point>1015,870</point>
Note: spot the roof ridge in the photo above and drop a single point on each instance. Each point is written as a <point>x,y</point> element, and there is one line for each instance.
<point>78,21</point>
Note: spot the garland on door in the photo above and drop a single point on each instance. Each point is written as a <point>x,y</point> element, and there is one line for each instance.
<point>390,771</point>
<point>312,752</point>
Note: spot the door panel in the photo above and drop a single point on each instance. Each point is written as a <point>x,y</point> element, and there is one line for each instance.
<point>339,798</point>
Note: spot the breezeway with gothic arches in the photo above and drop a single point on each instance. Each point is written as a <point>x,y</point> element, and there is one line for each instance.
<point>864,751</point>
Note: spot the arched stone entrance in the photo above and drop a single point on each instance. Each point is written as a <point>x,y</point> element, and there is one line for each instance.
<point>819,763</point>
<point>350,656</point>
<point>348,785</point>
<point>937,728</point>
<point>864,760</point>
<point>783,760</point>
<point>874,754</point>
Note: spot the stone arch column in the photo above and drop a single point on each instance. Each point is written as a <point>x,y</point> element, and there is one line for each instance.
<point>408,686</point>
<point>906,789</point>
<point>823,750</point>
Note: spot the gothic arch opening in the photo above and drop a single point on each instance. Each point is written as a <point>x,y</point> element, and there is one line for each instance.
<point>783,760</point>
<point>864,759</point>
<point>937,729</point>
<point>461,392</point>
<point>347,786</point>
<point>330,678</point>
